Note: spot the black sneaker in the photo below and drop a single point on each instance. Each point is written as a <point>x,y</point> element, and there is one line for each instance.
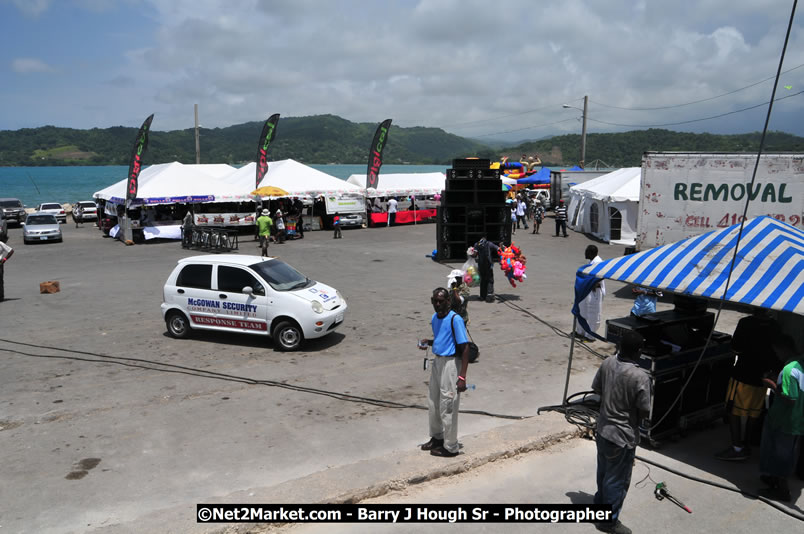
<point>774,494</point>
<point>444,453</point>
<point>433,443</point>
<point>732,455</point>
<point>616,528</point>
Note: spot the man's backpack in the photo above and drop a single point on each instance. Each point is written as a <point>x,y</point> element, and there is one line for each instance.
<point>474,351</point>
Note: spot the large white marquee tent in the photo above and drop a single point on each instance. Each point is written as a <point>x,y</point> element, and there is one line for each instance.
<point>607,206</point>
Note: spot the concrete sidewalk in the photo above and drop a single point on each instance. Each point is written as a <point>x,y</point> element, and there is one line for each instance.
<point>375,477</point>
<point>565,473</point>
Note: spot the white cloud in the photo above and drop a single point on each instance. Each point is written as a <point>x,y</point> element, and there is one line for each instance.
<point>27,65</point>
<point>446,62</point>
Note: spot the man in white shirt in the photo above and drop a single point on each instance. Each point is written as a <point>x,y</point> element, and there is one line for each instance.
<point>520,213</point>
<point>392,211</point>
<point>592,306</point>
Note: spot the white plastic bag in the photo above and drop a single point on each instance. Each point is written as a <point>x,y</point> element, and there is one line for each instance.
<point>471,276</point>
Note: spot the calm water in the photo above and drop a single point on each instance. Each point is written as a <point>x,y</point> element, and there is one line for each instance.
<point>69,184</point>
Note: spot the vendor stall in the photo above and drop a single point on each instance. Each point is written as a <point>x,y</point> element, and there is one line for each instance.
<point>688,361</point>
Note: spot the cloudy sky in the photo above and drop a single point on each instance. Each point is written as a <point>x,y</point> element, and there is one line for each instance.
<point>476,68</point>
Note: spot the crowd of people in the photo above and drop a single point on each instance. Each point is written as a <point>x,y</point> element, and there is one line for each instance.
<point>527,206</point>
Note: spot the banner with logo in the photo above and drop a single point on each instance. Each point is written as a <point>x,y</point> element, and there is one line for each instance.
<point>266,137</point>
<point>375,154</point>
<point>135,164</point>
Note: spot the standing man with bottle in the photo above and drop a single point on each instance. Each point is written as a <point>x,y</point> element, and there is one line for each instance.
<point>451,350</point>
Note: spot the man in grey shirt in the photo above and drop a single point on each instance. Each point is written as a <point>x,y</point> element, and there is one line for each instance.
<point>625,394</point>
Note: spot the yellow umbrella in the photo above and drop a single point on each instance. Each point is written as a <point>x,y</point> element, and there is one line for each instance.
<point>270,191</point>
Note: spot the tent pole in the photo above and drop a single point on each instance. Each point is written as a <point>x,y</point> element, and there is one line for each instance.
<point>569,363</point>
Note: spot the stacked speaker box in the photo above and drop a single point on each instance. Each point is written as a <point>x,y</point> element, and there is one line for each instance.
<point>472,206</point>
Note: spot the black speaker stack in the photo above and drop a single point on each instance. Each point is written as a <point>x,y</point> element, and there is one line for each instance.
<point>472,206</point>
<point>673,354</point>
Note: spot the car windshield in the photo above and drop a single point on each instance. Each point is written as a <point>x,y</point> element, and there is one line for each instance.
<point>41,219</point>
<point>10,204</point>
<point>87,204</point>
<point>281,276</point>
<point>51,206</point>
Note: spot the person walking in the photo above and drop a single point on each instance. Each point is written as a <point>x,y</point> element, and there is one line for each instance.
<point>336,223</point>
<point>5,253</point>
<point>450,350</point>
<point>538,216</point>
<point>625,394</point>
<point>512,205</point>
<point>279,223</point>
<point>485,251</point>
<point>264,224</point>
<point>561,218</point>
<point>521,207</point>
<point>300,224</point>
<point>78,215</point>
<point>187,230</point>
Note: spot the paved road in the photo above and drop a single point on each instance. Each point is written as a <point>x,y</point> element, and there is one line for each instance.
<point>93,440</point>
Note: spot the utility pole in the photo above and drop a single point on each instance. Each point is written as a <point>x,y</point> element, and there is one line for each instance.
<point>583,133</point>
<point>198,142</point>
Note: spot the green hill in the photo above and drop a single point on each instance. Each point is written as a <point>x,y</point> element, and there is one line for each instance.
<point>331,139</point>
<point>319,139</point>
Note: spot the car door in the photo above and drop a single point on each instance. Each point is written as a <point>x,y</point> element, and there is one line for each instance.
<point>240,311</point>
<point>193,293</point>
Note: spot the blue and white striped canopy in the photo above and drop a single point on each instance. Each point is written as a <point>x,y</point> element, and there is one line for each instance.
<point>768,270</point>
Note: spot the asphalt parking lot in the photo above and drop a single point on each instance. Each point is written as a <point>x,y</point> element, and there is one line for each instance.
<point>106,421</point>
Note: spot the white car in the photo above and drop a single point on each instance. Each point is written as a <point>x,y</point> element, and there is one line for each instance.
<point>41,226</point>
<point>54,209</point>
<point>89,211</point>
<point>249,294</point>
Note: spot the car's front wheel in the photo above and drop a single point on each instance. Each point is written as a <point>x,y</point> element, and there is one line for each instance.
<point>287,336</point>
<point>177,325</point>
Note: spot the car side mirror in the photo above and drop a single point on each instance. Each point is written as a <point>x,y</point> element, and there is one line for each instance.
<point>248,291</point>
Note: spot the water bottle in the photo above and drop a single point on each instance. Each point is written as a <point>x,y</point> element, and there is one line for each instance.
<point>470,387</point>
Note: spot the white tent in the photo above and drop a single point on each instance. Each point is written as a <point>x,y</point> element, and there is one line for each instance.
<point>174,183</point>
<point>607,206</point>
<point>296,178</point>
<point>403,184</point>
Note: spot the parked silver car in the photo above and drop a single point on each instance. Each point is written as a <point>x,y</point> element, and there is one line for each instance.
<point>41,226</point>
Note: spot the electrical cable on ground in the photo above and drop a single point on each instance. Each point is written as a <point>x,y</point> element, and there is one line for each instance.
<point>173,368</point>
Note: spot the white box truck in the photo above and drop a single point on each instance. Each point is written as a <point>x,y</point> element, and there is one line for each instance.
<point>688,193</point>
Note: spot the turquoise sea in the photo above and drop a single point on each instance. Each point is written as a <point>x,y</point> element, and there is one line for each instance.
<point>34,185</point>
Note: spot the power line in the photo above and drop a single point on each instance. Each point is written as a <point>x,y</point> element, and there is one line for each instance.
<point>697,101</point>
<point>462,124</point>
<point>526,128</point>
<point>692,120</point>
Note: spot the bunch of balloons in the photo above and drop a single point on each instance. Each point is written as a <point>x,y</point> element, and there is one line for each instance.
<point>471,277</point>
<point>512,262</point>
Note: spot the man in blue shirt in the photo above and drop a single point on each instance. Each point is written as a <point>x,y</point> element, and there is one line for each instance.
<point>450,349</point>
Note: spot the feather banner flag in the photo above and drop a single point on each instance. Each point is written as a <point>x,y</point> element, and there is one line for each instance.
<point>266,137</point>
<point>135,164</point>
<point>375,154</point>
